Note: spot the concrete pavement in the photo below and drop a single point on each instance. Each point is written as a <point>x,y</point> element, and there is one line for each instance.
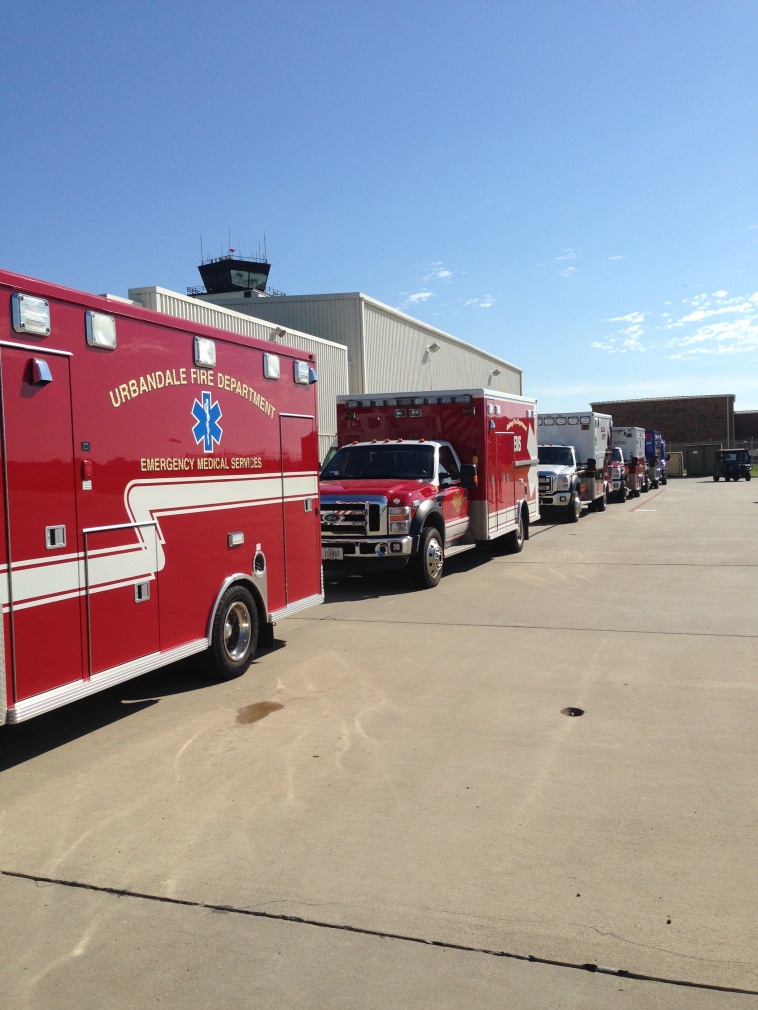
<point>400,765</point>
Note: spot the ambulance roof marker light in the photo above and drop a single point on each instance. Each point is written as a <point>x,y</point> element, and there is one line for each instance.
<point>100,330</point>
<point>205,352</point>
<point>30,314</point>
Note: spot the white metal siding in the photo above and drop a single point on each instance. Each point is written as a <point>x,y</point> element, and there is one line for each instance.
<point>387,350</point>
<point>331,357</point>
<point>399,355</point>
<point>331,317</point>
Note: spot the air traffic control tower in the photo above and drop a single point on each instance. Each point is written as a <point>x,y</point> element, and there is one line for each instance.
<point>233,274</point>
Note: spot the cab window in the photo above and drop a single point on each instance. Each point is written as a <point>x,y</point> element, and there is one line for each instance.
<point>449,470</point>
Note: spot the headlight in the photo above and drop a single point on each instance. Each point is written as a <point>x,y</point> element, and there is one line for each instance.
<point>564,483</point>
<point>399,519</point>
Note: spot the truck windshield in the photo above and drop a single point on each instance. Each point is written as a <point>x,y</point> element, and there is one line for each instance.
<point>377,462</point>
<point>617,455</point>
<point>555,455</point>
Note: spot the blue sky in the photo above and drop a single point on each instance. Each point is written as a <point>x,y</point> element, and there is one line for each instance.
<point>570,185</point>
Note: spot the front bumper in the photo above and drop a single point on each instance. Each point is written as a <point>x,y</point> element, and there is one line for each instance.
<point>558,499</point>
<point>336,550</point>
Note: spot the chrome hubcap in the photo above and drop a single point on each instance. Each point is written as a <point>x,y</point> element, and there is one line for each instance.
<point>434,558</point>
<point>237,631</point>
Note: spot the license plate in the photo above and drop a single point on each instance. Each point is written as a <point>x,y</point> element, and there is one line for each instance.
<point>331,554</point>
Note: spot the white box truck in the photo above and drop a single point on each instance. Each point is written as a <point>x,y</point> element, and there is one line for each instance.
<point>574,451</point>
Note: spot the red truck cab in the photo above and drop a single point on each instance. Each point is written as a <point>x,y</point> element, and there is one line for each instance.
<point>380,499</point>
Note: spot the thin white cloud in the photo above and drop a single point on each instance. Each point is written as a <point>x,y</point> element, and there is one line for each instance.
<point>419,297</point>
<point>481,303</point>
<point>705,308</point>
<point>568,272</point>
<point>736,336</point>
<point>614,258</point>
<point>715,324</point>
<point>569,254</point>
<point>630,317</point>
<point>438,272</point>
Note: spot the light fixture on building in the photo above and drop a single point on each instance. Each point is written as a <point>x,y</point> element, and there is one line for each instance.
<point>434,346</point>
<point>278,334</point>
<point>495,371</point>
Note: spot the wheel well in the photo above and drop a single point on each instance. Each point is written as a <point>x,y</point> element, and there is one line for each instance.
<point>435,520</point>
<point>246,582</point>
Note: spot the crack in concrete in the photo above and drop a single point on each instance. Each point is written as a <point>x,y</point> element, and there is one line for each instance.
<point>529,627</point>
<point>379,934</point>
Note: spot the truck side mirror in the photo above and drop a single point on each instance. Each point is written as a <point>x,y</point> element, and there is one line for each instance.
<point>592,464</point>
<point>468,475</point>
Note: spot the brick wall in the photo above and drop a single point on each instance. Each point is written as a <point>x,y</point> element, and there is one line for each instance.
<point>686,419</point>
<point>745,425</point>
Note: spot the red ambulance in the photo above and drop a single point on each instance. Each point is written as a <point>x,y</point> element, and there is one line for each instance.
<point>419,477</point>
<point>159,488</point>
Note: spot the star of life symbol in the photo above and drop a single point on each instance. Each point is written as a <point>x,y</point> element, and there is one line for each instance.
<point>207,430</point>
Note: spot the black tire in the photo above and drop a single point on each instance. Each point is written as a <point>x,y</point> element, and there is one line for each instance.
<point>715,476</point>
<point>645,487</point>
<point>573,509</point>
<point>514,542</point>
<point>655,485</point>
<point>600,503</point>
<point>748,476</point>
<point>427,564</point>
<point>235,633</point>
<point>621,493</point>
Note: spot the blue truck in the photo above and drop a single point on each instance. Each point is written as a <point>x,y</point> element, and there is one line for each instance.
<point>655,458</point>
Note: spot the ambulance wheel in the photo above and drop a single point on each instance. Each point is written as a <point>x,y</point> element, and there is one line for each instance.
<point>426,564</point>
<point>514,542</point>
<point>655,485</point>
<point>573,509</point>
<point>715,476</point>
<point>235,633</point>
<point>600,503</point>
<point>748,476</point>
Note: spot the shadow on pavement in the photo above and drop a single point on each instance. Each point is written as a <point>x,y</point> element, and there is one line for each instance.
<point>26,740</point>
<point>343,588</point>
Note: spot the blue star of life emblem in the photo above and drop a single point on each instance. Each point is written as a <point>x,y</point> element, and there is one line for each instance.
<point>207,430</point>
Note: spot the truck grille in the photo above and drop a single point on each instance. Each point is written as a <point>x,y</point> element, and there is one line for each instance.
<point>545,484</point>
<point>350,518</point>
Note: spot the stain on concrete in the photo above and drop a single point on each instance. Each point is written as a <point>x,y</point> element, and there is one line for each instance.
<point>257,711</point>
